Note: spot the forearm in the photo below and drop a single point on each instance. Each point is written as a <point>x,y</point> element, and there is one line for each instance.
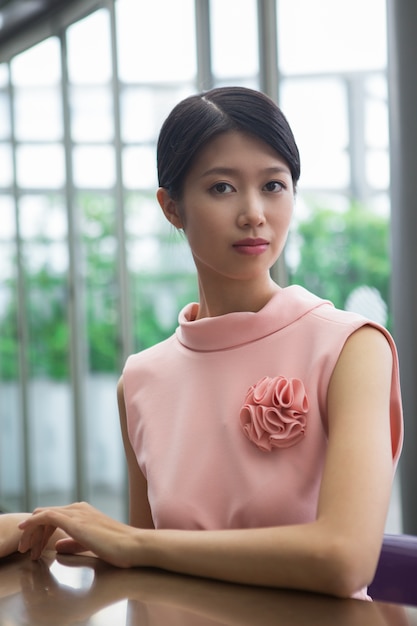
<point>297,557</point>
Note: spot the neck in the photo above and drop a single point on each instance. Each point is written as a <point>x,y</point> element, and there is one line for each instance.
<point>235,297</point>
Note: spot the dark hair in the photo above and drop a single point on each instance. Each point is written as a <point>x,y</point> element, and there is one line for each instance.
<point>199,118</point>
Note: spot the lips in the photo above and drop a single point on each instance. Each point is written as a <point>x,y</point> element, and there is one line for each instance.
<point>251,246</point>
<point>251,242</point>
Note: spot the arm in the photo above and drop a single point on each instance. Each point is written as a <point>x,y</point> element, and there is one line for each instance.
<point>336,554</point>
<point>139,509</point>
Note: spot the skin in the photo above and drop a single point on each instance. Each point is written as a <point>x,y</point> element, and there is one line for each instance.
<point>337,553</point>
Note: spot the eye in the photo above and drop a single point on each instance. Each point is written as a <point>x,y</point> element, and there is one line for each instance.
<point>274,186</point>
<point>222,188</point>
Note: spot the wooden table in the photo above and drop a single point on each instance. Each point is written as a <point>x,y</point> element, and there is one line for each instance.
<point>81,590</point>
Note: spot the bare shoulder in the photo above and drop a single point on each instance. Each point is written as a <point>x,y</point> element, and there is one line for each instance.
<point>368,339</point>
<point>366,352</point>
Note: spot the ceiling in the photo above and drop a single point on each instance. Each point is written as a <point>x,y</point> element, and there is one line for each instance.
<point>17,15</point>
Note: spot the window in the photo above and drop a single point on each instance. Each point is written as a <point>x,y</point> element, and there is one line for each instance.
<point>91,271</point>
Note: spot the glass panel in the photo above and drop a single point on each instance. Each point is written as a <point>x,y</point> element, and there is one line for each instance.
<point>340,252</point>
<point>11,477</point>
<point>4,74</point>
<point>40,166</point>
<point>161,270</point>
<point>380,204</point>
<point>376,115</point>
<point>91,114</point>
<point>104,454</point>
<point>139,171</point>
<point>316,110</point>
<point>377,169</point>
<point>100,268</point>
<point>6,169</point>
<point>324,36</point>
<point>38,219</point>
<point>160,31</point>
<point>89,58</point>
<point>39,65</point>
<point>94,167</point>
<point>235,50</point>
<point>38,114</point>
<point>144,110</point>
<point>45,255</point>
<point>4,115</point>
<point>8,222</point>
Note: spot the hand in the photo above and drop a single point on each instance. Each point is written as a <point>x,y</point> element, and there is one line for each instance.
<point>10,532</point>
<point>87,529</point>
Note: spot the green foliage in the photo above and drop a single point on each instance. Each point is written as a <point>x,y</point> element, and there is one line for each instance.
<point>342,251</point>
<point>99,248</point>
<point>8,347</point>
<point>150,327</point>
<point>46,311</point>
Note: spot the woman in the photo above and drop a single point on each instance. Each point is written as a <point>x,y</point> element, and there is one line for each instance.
<point>270,422</point>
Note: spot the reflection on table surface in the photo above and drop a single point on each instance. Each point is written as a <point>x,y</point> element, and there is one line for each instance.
<point>83,590</point>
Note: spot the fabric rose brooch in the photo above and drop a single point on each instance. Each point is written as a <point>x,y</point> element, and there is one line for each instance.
<point>274,413</point>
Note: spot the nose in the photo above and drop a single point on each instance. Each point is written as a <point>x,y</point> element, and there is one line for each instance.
<point>251,212</point>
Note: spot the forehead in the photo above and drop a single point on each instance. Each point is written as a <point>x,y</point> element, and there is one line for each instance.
<point>236,149</point>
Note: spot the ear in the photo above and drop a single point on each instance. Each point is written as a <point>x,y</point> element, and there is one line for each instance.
<point>169,207</point>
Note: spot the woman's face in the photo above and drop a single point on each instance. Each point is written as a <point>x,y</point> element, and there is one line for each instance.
<point>236,207</point>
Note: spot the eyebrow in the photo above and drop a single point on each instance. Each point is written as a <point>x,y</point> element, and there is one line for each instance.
<point>227,171</point>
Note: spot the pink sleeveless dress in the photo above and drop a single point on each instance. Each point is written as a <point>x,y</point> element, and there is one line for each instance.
<point>228,419</point>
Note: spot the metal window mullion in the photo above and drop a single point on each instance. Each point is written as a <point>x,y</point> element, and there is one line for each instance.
<point>269,84</point>
<point>124,300</point>
<point>357,148</point>
<point>76,300</point>
<point>268,48</point>
<point>23,333</point>
<point>205,78</point>
<point>125,309</point>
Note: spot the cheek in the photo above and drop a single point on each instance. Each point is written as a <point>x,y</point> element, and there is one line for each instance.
<point>201,221</point>
<point>283,217</point>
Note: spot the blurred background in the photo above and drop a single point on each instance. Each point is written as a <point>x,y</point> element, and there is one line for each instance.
<point>89,269</point>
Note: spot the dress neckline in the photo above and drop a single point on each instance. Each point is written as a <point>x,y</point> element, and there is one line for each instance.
<point>235,329</point>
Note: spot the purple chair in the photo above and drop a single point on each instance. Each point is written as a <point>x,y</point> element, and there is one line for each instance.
<point>396,575</point>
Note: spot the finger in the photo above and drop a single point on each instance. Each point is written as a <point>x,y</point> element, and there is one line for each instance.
<point>30,539</point>
<point>42,538</point>
<point>25,540</point>
<point>36,542</point>
<point>37,531</point>
<point>69,546</point>
<point>45,517</point>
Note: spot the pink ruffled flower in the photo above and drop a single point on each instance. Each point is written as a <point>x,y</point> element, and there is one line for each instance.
<point>274,413</point>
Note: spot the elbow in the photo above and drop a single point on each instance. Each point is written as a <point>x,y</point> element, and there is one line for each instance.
<point>347,569</point>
